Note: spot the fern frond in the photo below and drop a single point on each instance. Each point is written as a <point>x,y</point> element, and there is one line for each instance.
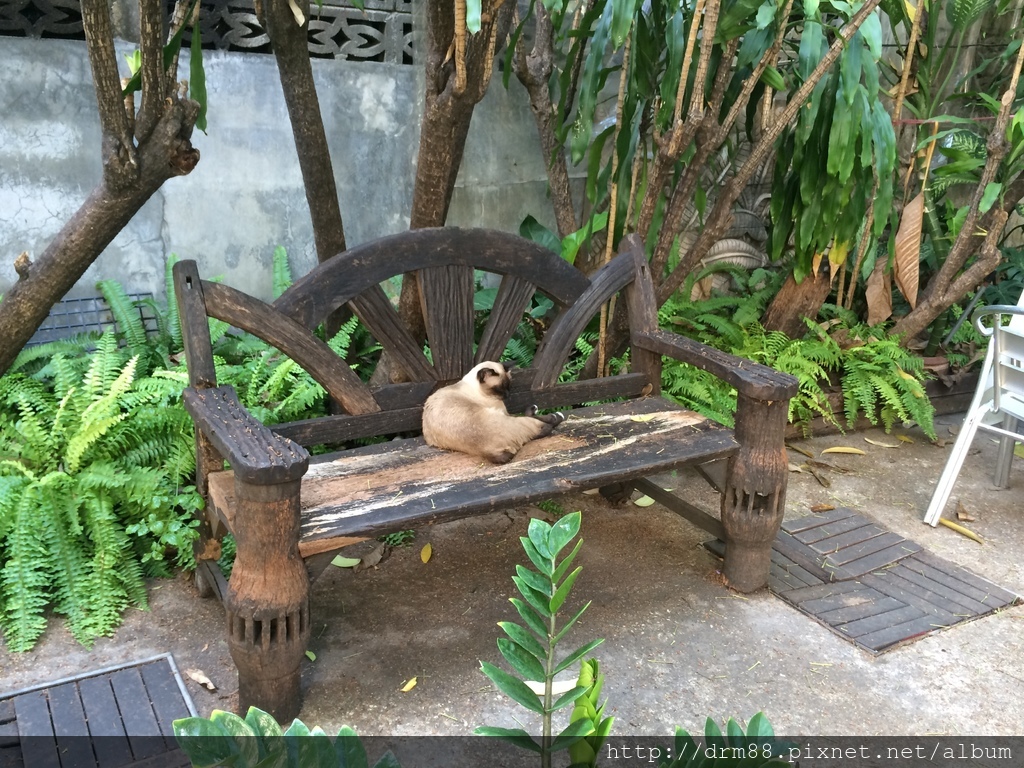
<point>126,314</point>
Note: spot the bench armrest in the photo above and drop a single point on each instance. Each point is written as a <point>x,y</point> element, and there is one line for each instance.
<point>256,454</point>
<point>754,380</point>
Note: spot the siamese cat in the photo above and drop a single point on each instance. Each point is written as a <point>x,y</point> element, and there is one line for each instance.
<point>470,416</point>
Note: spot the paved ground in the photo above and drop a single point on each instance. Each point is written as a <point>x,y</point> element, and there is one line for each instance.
<point>678,645</point>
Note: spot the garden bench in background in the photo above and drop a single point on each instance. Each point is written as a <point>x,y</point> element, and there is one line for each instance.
<point>289,513</point>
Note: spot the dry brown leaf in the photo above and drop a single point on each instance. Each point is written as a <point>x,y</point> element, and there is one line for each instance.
<point>823,481</point>
<point>906,267</point>
<point>878,294</point>
<point>371,559</point>
<point>963,515</point>
<point>200,677</point>
<point>798,449</point>
<point>794,468</point>
<point>818,508</point>
<point>829,466</point>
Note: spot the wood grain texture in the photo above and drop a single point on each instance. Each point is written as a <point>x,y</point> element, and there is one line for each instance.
<point>560,338</point>
<point>375,311</point>
<point>642,309</point>
<point>340,279</point>
<point>195,330</point>
<point>752,379</point>
<point>254,452</point>
<point>512,301</point>
<point>298,343</point>
<point>446,299</point>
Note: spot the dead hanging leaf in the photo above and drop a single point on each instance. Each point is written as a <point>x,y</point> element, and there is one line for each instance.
<point>962,514</point>
<point>878,294</point>
<point>198,676</point>
<point>798,449</point>
<point>409,686</point>
<point>426,552</point>
<point>880,444</point>
<point>819,508</point>
<point>844,449</point>
<point>906,267</point>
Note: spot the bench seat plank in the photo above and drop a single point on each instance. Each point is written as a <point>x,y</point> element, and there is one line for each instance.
<point>404,483</point>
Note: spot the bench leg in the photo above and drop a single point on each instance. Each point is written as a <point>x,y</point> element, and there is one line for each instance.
<point>754,498</point>
<point>268,599</point>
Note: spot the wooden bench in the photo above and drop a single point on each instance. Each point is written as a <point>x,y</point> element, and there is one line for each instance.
<point>289,513</point>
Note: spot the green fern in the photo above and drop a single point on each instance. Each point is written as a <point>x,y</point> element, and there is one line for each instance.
<point>282,271</point>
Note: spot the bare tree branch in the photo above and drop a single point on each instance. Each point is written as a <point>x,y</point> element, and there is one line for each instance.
<point>152,71</point>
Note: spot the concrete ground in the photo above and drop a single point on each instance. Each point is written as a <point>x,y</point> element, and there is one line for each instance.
<point>679,646</point>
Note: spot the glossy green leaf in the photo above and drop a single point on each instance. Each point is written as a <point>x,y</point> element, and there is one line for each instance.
<point>243,734</point>
<point>297,728</point>
<point>773,79</point>
<point>589,87</point>
<point>538,532</point>
<point>562,632</point>
<point>533,619</point>
<point>525,639</point>
<point>535,580</point>
<point>205,743</point>
<point>562,532</point>
<point>473,10</point>
<point>537,600</point>
<point>576,655</point>
<point>962,13</point>
<point>871,29</point>
<point>516,736</point>
<point>568,698</point>
<point>349,749</point>
<point>734,730</point>
<point>515,689</point>
<point>759,727</point>
<point>765,14</point>
<point>533,230</point>
<point>566,563</point>
<point>544,564</point>
<point>572,733</point>
<point>197,76</point>
<point>623,12</point>
<point>563,591</point>
<point>989,196</point>
<point>572,242</point>
<point>262,722</point>
<point>521,660</point>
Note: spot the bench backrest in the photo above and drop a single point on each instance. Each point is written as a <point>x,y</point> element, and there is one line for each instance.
<point>444,261</point>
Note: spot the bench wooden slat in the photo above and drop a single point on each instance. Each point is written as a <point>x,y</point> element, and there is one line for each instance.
<point>405,483</point>
<point>446,296</point>
<point>337,281</point>
<point>514,295</point>
<point>374,309</point>
<point>280,331</point>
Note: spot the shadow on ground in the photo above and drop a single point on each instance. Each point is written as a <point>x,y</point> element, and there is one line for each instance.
<point>679,646</point>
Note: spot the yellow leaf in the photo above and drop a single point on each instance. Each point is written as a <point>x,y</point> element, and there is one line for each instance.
<point>880,444</point>
<point>910,9</point>
<point>643,417</point>
<point>425,554</point>
<point>409,686</point>
<point>904,439</point>
<point>844,449</point>
<point>837,253</point>
<point>643,501</point>
<point>961,530</point>
<point>906,267</point>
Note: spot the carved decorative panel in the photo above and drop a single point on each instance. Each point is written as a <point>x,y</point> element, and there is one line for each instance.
<point>337,30</point>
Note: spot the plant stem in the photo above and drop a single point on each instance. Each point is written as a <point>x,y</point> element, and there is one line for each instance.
<point>545,754</point>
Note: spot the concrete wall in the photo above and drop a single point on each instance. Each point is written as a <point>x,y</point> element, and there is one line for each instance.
<point>245,197</point>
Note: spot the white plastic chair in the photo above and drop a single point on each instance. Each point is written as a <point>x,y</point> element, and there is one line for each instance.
<point>999,400</point>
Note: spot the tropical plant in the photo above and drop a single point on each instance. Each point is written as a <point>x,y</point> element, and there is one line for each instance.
<point>585,752</point>
<point>756,748</point>
<point>94,492</point>
<point>258,741</point>
<point>531,649</point>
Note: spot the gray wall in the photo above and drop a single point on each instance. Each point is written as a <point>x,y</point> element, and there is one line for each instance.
<point>245,197</point>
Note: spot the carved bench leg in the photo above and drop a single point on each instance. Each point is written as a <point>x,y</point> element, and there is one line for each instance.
<point>268,599</point>
<point>754,499</point>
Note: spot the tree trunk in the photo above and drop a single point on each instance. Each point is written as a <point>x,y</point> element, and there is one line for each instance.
<point>132,173</point>
<point>448,110</point>
<point>795,301</point>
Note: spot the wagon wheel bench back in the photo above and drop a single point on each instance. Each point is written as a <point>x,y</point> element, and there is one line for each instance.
<point>289,514</point>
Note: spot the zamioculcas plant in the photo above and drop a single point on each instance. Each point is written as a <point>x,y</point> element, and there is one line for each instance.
<point>755,748</point>
<point>584,753</point>
<point>531,650</point>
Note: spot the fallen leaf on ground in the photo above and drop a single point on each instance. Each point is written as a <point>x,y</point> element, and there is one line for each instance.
<point>558,687</point>
<point>798,449</point>
<point>426,552</point>
<point>904,439</point>
<point>310,655</point>
<point>961,530</point>
<point>939,442</point>
<point>794,468</point>
<point>200,677</point>
<point>816,508</point>
<point>880,444</point>
<point>643,501</point>
<point>346,562</point>
<point>828,466</point>
<point>823,481</point>
<point>963,515</point>
<point>371,558</point>
<point>844,449</point>
<point>409,686</point>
